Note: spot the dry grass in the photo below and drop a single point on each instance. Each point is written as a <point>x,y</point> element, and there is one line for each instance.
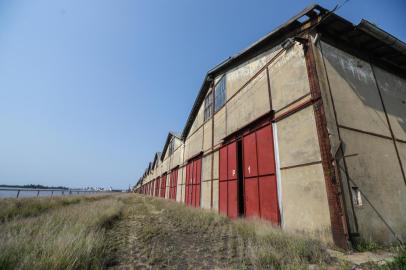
<point>168,235</point>
<point>25,207</point>
<point>137,232</point>
<point>71,237</point>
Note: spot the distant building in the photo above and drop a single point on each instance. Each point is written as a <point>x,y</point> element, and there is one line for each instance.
<point>306,128</point>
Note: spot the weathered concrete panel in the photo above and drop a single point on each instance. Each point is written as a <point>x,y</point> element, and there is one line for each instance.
<point>288,77</point>
<point>176,143</point>
<point>304,201</point>
<point>194,144</point>
<point>215,195</point>
<point>297,139</point>
<point>373,168</point>
<point>206,194</point>
<point>182,197</point>
<point>249,104</point>
<point>219,126</point>
<point>207,140</point>
<point>393,90</point>
<point>165,165</point>
<point>216,165</point>
<point>176,157</point>
<point>198,121</point>
<point>402,153</point>
<point>179,186</point>
<point>206,185</point>
<point>238,76</point>
<point>354,91</point>
<point>206,168</point>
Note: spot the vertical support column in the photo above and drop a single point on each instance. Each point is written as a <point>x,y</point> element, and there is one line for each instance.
<point>212,148</point>
<point>338,224</point>
<point>278,173</point>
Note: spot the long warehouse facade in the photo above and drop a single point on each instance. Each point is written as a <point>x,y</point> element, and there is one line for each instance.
<point>306,129</point>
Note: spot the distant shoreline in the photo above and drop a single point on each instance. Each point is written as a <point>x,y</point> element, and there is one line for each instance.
<point>33,186</point>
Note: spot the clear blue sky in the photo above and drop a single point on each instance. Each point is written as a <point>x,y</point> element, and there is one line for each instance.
<point>90,88</point>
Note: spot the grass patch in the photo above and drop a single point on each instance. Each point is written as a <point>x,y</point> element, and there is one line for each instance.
<point>241,243</point>
<point>272,248</point>
<point>399,261</point>
<point>72,238</point>
<point>368,245</point>
<point>27,207</point>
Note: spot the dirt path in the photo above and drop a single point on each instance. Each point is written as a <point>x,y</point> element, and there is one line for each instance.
<point>153,236</point>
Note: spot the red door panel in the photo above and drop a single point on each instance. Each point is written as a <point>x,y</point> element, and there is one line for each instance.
<point>232,161</point>
<point>232,199</point>
<point>198,176</point>
<point>223,197</point>
<point>251,197</point>
<point>223,164</point>
<point>269,198</point>
<point>266,158</point>
<point>250,155</point>
<point>193,194</point>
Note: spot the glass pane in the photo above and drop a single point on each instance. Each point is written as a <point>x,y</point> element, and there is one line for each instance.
<point>220,94</point>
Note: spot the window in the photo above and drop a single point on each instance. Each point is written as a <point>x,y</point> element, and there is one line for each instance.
<point>356,196</point>
<point>220,94</point>
<point>170,149</point>
<point>208,106</point>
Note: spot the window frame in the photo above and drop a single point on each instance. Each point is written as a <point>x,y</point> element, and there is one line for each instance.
<point>220,86</point>
<point>208,106</point>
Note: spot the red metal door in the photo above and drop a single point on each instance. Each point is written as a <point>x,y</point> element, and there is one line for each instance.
<point>251,200</point>
<point>193,182</point>
<point>197,180</point>
<point>260,195</point>
<point>187,185</point>
<point>193,193</point>
<point>267,176</point>
<point>190,190</point>
<point>163,186</point>
<point>175,183</point>
<point>157,187</point>
<point>232,180</point>
<point>228,186</point>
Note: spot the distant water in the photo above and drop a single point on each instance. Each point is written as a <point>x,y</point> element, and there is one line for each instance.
<point>26,194</point>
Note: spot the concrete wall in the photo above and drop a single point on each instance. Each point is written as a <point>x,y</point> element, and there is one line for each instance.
<point>304,196</point>
<point>288,78</point>
<point>206,182</point>
<point>303,193</point>
<point>360,93</point>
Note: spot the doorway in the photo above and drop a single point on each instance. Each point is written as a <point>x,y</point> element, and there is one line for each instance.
<point>240,179</point>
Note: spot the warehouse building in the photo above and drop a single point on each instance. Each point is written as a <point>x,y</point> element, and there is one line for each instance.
<point>306,128</point>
